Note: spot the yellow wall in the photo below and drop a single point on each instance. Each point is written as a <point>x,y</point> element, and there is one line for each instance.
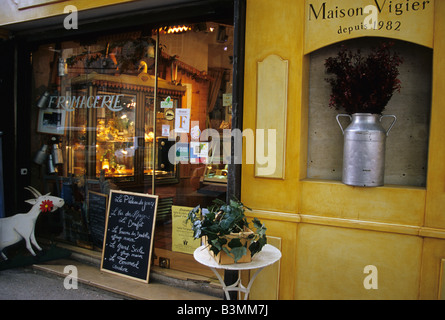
<point>409,21</point>
<point>329,231</point>
<point>275,27</point>
<point>435,216</point>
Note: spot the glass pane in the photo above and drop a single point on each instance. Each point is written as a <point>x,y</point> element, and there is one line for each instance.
<point>198,60</point>
<point>77,140</point>
<point>115,137</point>
<point>164,126</point>
<point>116,131</point>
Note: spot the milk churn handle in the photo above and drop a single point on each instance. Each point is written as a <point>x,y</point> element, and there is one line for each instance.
<point>343,115</point>
<point>392,124</point>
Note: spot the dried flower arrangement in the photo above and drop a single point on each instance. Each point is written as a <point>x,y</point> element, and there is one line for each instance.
<point>363,84</point>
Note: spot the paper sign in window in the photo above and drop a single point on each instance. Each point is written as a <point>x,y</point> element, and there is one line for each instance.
<point>182,120</point>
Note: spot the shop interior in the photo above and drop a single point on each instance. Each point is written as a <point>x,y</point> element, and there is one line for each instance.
<point>112,112</point>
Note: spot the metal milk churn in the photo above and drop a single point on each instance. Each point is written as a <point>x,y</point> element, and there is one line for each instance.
<point>364,149</point>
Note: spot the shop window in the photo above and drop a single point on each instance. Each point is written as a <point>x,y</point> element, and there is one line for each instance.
<point>119,125</point>
<point>407,144</point>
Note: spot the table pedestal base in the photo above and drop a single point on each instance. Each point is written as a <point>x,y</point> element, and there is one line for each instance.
<point>237,286</point>
<point>268,256</point>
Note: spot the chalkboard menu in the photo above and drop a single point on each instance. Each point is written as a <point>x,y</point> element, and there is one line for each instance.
<point>129,234</point>
<point>97,211</point>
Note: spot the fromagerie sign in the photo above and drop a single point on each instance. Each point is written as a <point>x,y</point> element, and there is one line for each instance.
<point>331,21</point>
<point>70,103</point>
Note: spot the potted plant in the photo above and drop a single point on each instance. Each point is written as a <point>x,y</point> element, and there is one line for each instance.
<point>227,232</point>
<point>362,87</point>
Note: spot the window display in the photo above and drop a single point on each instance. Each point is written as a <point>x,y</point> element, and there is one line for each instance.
<point>127,111</point>
<point>124,107</point>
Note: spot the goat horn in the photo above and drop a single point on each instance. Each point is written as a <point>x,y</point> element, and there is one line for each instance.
<point>38,192</point>
<point>33,191</point>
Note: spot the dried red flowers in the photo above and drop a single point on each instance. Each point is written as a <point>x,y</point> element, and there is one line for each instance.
<point>363,84</point>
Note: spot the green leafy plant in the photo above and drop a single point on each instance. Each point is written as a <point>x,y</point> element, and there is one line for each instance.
<point>221,222</point>
<point>363,84</point>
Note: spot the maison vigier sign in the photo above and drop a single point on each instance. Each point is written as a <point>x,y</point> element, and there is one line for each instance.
<point>330,21</point>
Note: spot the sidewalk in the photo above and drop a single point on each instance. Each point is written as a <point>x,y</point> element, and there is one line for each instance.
<point>92,276</point>
<point>163,285</point>
<point>26,283</point>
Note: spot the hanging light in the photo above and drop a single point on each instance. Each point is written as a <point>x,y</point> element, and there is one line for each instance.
<point>151,50</point>
<point>57,154</point>
<point>51,168</point>
<point>41,155</point>
<point>105,165</point>
<point>43,100</point>
<point>175,29</point>
<point>221,37</point>
<point>62,67</point>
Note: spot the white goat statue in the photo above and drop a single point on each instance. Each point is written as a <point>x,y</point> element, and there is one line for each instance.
<point>21,226</point>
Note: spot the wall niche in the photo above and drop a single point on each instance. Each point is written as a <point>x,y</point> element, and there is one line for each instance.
<point>407,144</point>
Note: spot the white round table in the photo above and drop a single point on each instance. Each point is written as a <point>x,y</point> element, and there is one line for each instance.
<point>267,256</point>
